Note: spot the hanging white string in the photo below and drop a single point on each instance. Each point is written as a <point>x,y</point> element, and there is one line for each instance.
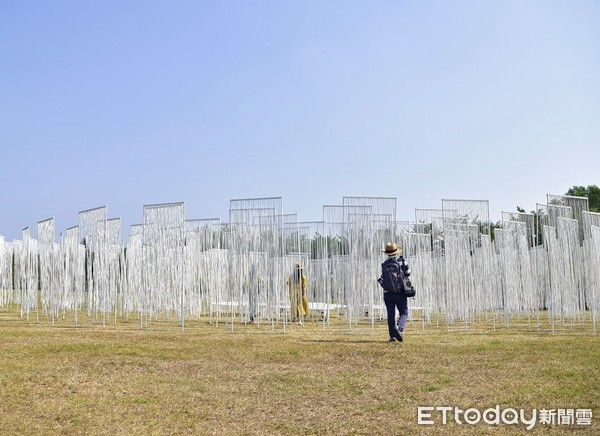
<point>237,272</point>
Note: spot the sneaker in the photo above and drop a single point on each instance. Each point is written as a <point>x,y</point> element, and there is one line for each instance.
<point>393,340</point>
<point>398,334</point>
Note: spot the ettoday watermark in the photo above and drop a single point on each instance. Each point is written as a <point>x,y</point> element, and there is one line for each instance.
<point>430,415</point>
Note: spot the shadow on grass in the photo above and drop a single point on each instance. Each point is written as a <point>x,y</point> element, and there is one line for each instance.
<point>348,341</point>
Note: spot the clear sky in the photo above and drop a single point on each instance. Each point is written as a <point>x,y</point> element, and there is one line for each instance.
<point>126,103</point>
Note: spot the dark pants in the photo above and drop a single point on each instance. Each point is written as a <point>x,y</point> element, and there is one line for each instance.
<point>393,300</point>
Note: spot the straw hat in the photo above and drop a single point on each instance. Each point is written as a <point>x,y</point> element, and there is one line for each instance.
<point>391,249</point>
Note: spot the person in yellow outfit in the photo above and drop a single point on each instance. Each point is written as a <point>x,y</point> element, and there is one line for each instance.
<point>298,297</point>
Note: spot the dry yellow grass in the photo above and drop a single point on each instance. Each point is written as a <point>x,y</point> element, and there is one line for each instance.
<point>117,379</point>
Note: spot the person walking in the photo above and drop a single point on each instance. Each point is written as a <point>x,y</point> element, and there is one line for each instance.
<point>298,297</point>
<point>393,290</point>
<point>253,289</point>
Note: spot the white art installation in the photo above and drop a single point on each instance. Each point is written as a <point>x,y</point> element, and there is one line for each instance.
<point>542,269</point>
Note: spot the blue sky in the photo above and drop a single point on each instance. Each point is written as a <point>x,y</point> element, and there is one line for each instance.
<point>130,103</point>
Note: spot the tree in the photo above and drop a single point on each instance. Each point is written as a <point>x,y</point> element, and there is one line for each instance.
<point>537,226</point>
<point>493,227</point>
<point>592,192</point>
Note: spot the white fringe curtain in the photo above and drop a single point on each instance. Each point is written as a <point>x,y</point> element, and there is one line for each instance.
<point>237,272</point>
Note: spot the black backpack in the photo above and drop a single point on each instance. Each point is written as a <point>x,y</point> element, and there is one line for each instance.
<point>393,280</point>
<point>390,276</point>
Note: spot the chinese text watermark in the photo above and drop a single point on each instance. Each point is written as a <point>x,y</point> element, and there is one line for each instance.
<point>429,415</point>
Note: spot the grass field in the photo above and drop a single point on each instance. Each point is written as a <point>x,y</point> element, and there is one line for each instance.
<point>118,379</point>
